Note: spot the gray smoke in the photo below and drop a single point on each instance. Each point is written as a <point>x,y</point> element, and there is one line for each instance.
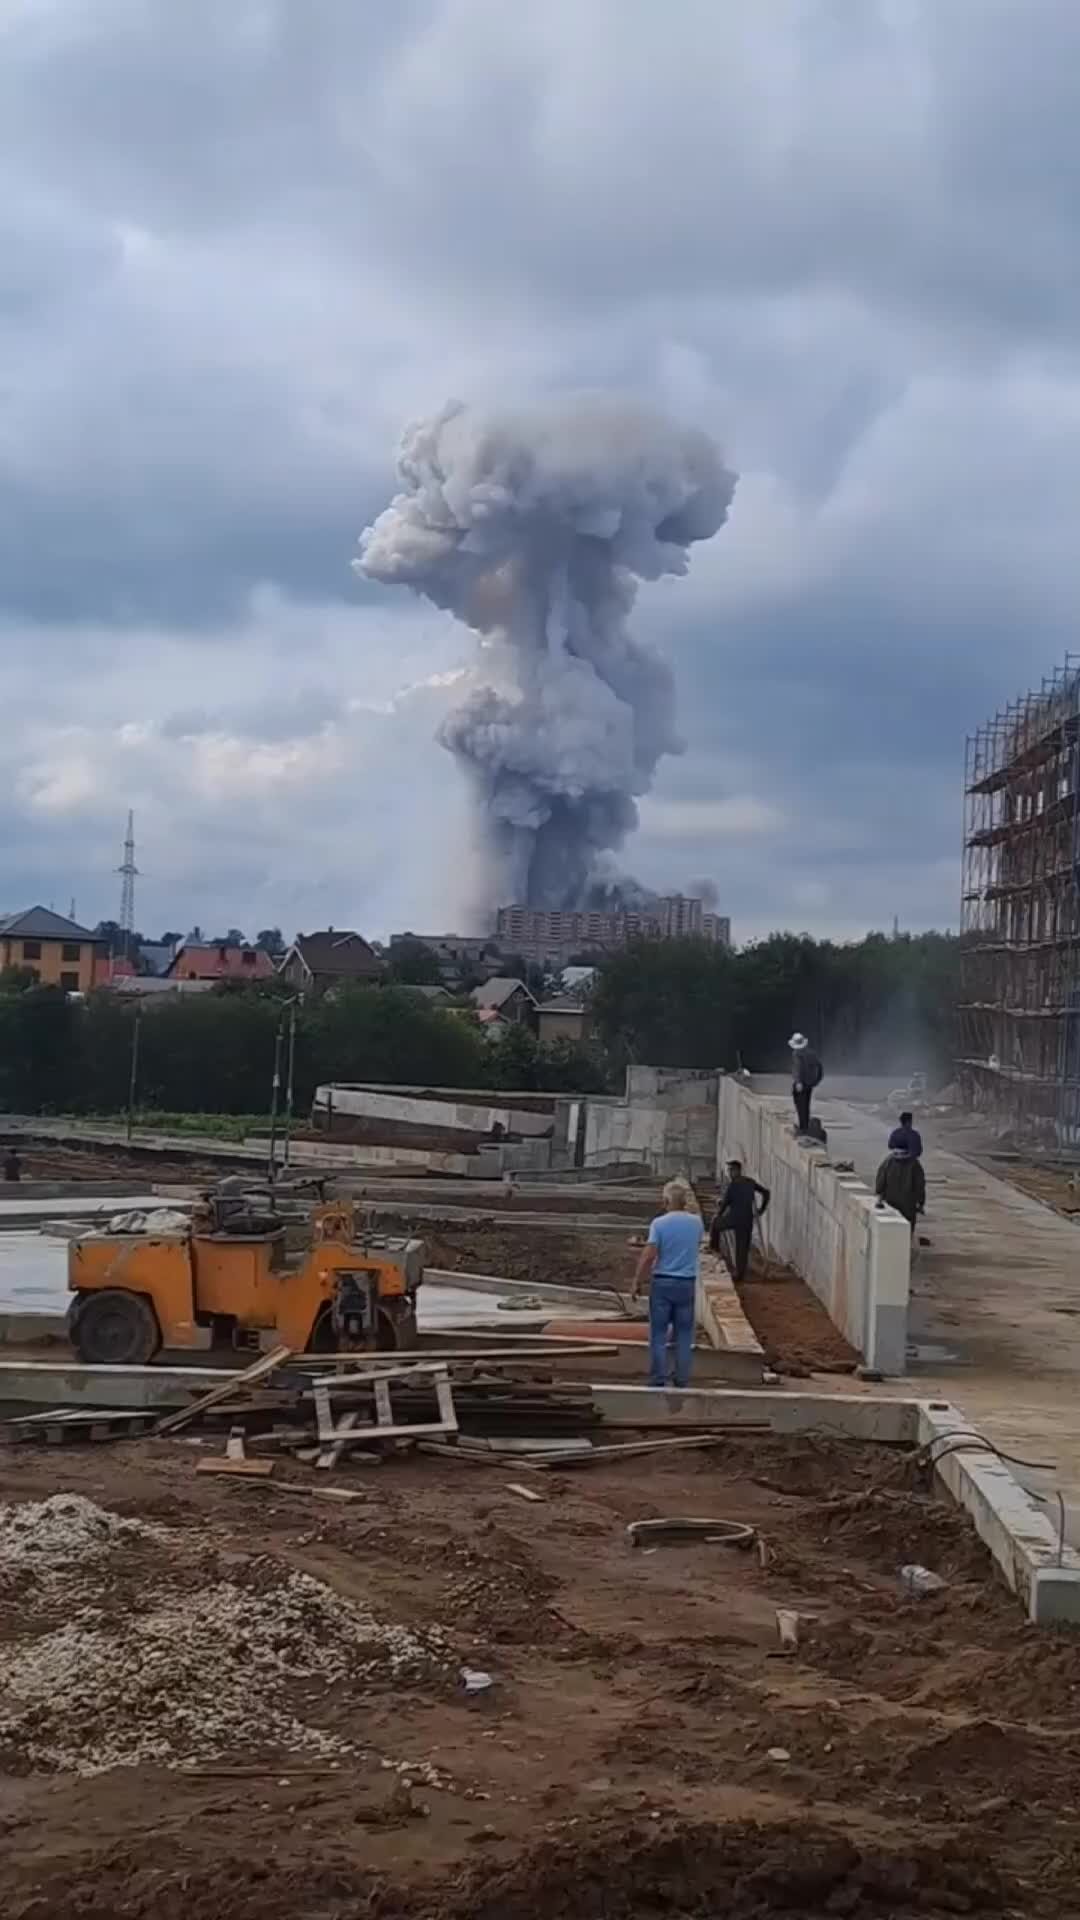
<point>534,529</point>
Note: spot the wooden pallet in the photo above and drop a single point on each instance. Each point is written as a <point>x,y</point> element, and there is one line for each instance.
<point>335,1436</point>
<point>58,1426</point>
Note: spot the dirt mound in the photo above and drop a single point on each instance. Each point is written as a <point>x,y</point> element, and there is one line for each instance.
<point>890,1528</point>
<point>982,1754</point>
<point>745,1872</point>
<point>1037,1678</point>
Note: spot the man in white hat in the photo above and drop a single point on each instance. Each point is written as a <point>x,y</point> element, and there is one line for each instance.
<point>806,1073</point>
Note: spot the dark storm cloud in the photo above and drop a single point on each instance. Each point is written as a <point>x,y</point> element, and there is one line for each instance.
<point>241,243</point>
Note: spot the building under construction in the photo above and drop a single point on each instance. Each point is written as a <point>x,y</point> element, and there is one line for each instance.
<point>1020,921</point>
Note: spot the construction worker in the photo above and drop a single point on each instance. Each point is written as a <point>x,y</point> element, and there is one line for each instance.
<point>901,1183</point>
<point>669,1263</point>
<point>906,1138</point>
<point>743,1201</point>
<point>806,1074</point>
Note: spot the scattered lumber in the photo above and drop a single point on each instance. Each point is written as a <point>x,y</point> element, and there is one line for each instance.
<point>525,1493</point>
<point>349,1431</point>
<point>266,1364</point>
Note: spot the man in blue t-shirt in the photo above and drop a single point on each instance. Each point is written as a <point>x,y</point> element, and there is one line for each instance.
<point>669,1262</point>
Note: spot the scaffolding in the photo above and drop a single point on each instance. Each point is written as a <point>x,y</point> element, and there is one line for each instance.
<point>1020,915</point>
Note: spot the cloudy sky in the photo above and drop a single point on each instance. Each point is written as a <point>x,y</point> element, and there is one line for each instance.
<point>243,241</point>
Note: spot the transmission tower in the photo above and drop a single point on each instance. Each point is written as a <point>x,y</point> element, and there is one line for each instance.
<point>130,872</point>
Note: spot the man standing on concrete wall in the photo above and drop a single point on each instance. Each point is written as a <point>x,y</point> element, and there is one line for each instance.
<point>806,1074</point>
<point>669,1263</point>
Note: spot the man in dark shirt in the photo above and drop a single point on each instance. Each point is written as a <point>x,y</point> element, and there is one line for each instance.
<point>906,1138</point>
<point>12,1165</point>
<point>901,1184</point>
<point>736,1215</point>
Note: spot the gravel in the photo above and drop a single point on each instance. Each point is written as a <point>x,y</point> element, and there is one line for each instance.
<point>235,1666</point>
<point>45,1537</point>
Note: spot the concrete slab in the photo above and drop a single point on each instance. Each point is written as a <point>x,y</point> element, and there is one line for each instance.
<point>66,1383</point>
<point>890,1421</point>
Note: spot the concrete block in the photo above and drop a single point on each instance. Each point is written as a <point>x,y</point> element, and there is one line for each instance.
<point>1016,1528</point>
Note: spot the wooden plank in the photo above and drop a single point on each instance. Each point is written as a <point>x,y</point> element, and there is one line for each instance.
<point>267,1363</point>
<point>243,1469</point>
<point>385,1373</point>
<point>324,1418</point>
<point>443,1450</point>
<point>384,1413</point>
<point>633,1449</point>
<point>525,1493</point>
<point>478,1356</point>
<point>333,1436</point>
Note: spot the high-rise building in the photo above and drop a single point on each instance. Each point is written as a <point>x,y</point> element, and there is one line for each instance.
<point>550,936</point>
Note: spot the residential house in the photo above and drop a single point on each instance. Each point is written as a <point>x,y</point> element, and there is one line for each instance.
<point>438,996</point>
<point>219,962</point>
<point>57,951</point>
<point>561,1018</point>
<point>316,963</point>
<point>510,999</point>
<point>458,954</point>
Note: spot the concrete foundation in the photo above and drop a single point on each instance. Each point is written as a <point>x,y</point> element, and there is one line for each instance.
<point>1023,1535</point>
<point>855,1256</point>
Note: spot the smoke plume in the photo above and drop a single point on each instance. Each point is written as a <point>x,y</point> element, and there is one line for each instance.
<point>534,530</point>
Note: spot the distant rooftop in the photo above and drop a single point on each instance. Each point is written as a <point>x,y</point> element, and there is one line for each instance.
<point>41,923</point>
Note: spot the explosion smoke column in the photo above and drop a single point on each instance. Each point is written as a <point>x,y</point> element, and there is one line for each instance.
<point>534,529</point>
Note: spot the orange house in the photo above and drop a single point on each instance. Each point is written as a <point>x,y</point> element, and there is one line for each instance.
<point>57,951</point>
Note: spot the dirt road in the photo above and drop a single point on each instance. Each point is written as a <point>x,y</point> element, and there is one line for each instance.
<point>281,1683</point>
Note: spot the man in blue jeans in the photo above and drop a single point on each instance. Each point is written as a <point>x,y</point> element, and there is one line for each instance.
<point>669,1261</point>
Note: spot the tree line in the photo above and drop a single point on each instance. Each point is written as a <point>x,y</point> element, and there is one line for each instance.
<point>878,1005</point>
<point>215,1052</point>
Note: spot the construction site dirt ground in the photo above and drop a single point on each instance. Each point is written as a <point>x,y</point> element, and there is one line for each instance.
<point>279,1683</point>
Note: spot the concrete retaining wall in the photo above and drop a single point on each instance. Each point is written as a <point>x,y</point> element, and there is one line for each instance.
<point>666,1120</point>
<point>826,1225</point>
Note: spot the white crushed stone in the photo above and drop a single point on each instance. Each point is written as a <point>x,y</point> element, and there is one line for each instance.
<point>47,1536</point>
<point>195,1676</point>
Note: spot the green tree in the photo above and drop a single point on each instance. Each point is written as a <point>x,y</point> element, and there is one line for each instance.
<point>512,1060</point>
<point>17,979</point>
<point>572,1066</point>
<point>412,963</point>
<point>39,1035</point>
<point>668,1003</point>
<point>270,940</point>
